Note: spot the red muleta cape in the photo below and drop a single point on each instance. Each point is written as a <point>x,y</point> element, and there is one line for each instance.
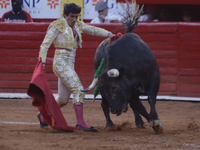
<point>44,100</point>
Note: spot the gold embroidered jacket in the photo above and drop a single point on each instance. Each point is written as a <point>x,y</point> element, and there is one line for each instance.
<point>61,34</point>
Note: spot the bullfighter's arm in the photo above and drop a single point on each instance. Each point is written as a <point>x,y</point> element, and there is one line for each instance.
<point>96,31</point>
<point>50,36</point>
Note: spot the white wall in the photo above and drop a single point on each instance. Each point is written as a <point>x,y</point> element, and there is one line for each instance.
<point>43,9</point>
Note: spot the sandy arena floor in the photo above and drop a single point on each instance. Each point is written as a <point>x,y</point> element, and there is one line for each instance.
<point>19,128</point>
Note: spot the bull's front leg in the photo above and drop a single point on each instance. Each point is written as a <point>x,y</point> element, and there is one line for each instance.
<point>106,111</point>
<point>138,119</point>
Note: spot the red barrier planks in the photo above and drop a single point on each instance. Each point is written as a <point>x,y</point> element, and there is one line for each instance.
<point>175,45</point>
<point>39,27</point>
<point>22,35</point>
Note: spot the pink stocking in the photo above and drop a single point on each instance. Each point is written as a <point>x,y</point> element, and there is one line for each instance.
<point>42,119</point>
<point>79,115</point>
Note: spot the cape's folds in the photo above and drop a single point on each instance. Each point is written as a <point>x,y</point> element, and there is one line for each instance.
<point>44,100</point>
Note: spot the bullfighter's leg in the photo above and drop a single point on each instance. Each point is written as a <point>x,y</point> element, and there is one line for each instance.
<point>66,73</point>
<point>106,111</point>
<point>63,93</point>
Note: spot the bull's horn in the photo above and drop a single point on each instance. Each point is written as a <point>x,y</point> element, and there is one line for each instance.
<point>93,84</point>
<point>113,73</point>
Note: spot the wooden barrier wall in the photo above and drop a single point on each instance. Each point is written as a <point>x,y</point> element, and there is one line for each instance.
<point>175,45</point>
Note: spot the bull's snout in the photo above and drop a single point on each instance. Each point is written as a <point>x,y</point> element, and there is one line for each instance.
<point>125,108</point>
<point>119,111</point>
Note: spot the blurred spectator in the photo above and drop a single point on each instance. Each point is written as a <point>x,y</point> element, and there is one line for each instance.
<point>16,14</point>
<point>187,16</point>
<point>103,17</point>
<point>146,16</point>
<point>165,14</point>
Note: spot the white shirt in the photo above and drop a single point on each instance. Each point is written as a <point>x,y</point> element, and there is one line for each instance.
<point>108,19</point>
<point>146,17</point>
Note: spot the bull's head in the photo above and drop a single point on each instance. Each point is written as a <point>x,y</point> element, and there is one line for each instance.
<point>113,90</point>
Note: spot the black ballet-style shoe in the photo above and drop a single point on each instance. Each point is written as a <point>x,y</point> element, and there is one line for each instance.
<point>91,129</point>
<point>42,125</point>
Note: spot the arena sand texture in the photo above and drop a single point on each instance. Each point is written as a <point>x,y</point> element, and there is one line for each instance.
<point>20,130</point>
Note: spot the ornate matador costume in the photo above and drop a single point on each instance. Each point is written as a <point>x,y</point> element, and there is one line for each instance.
<point>66,39</point>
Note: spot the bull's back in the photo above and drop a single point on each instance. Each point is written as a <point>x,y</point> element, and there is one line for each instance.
<point>130,51</point>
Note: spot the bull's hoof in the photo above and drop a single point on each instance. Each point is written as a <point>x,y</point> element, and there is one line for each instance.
<point>113,128</point>
<point>156,125</point>
<point>140,126</point>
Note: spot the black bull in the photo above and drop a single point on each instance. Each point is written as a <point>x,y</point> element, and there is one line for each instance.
<point>131,70</point>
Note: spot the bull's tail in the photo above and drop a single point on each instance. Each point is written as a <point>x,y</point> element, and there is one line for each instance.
<point>133,12</point>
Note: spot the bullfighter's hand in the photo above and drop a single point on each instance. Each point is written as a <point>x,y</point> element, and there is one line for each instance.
<point>110,35</point>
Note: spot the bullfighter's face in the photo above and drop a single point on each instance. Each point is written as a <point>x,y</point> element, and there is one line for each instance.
<point>72,18</point>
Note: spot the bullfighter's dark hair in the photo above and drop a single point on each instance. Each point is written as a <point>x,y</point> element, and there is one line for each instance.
<point>71,8</point>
